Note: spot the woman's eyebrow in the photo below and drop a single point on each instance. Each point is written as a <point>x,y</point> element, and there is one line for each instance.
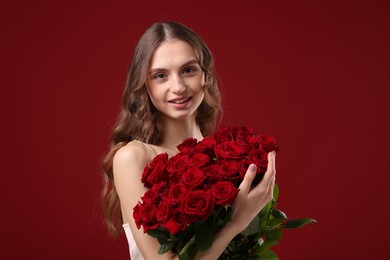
<point>190,62</point>
<point>193,61</point>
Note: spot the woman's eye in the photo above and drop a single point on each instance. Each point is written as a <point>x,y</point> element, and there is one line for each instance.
<point>189,70</point>
<point>160,76</point>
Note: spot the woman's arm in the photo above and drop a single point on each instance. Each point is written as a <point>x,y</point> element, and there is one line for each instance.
<point>129,163</point>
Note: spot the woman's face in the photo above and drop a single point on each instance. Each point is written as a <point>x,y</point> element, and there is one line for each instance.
<point>175,80</point>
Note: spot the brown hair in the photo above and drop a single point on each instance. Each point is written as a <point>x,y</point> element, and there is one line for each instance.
<point>137,119</point>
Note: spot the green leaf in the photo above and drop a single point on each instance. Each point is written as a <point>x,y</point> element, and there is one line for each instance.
<point>297,223</point>
<point>268,255</point>
<point>199,224</point>
<point>162,240</point>
<point>274,223</point>
<point>165,248</point>
<point>252,228</point>
<point>268,244</point>
<point>204,238</point>
<point>223,216</point>
<point>264,216</point>
<point>276,191</point>
<point>228,216</point>
<point>278,214</point>
<point>185,235</point>
<point>275,235</point>
<point>158,233</point>
<point>172,237</point>
<point>218,213</point>
<point>264,246</point>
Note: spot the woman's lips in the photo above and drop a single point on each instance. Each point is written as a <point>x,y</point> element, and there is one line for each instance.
<point>180,102</point>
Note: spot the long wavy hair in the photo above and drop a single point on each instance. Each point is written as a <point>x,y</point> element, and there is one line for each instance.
<point>138,117</point>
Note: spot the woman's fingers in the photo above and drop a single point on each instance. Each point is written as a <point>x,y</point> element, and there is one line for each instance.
<point>266,186</point>
<point>271,171</point>
<point>247,181</point>
<point>250,201</point>
<point>271,188</point>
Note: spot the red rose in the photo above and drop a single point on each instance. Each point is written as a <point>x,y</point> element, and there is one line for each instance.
<point>176,178</point>
<point>187,145</point>
<point>234,130</point>
<point>177,163</point>
<point>224,193</point>
<point>193,177</point>
<point>154,173</point>
<point>198,204</point>
<point>198,160</point>
<point>247,139</point>
<point>224,134</point>
<point>269,143</point>
<point>162,158</point>
<point>246,130</point>
<point>177,193</point>
<point>212,173</point>
<point>228,170</point>
<point>243,167</point>
<point>163,212</point>
<point>137,215</point>
<point>152,194</point>
<point>228,150</point>
<point>206,146</point>
<point>176,223</point>
<point>148,218</point>
<point>259,157</point>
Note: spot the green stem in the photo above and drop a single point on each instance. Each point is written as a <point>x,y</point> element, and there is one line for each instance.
<point>189,243</point>
<point>263,225</point>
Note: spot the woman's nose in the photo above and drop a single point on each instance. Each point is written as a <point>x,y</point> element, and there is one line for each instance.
<point>178,85</point>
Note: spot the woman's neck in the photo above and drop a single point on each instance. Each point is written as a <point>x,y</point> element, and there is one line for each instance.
<point>174,131</point>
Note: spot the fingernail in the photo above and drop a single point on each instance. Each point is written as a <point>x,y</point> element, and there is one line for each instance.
<point>252,167</point>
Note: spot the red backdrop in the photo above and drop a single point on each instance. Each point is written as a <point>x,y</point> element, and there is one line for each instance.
<point>315,75</point>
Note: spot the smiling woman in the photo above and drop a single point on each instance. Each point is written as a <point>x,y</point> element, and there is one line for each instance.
<point>171,95</point>
<point>176,81</point>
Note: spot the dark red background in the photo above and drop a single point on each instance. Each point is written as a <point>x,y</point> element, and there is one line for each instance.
<point>315,75</point>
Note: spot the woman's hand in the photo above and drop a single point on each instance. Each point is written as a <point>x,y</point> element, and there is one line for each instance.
<point>249,202</point>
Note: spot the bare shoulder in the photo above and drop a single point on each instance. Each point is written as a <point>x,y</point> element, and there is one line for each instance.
<point>130,154</point>
<point>129,162</point>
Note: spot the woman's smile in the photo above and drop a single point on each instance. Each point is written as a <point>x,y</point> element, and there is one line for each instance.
<point>180,102</point>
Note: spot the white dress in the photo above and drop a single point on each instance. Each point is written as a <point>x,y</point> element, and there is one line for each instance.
<point>135,254</point>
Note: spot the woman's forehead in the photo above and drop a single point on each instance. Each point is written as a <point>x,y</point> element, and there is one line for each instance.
<point>172,54</point>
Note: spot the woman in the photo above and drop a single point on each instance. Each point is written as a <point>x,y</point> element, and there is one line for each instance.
<point>171,94</point>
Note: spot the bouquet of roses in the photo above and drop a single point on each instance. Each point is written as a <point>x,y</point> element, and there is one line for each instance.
<point>190,196</point>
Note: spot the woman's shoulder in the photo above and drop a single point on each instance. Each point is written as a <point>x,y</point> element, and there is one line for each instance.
<point>132,156</point>
<point>133,151</point>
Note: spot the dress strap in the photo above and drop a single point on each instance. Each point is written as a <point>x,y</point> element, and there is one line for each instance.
<point>147,145</point>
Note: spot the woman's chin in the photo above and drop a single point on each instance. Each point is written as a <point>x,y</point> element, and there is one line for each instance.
<point>181,116</point>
